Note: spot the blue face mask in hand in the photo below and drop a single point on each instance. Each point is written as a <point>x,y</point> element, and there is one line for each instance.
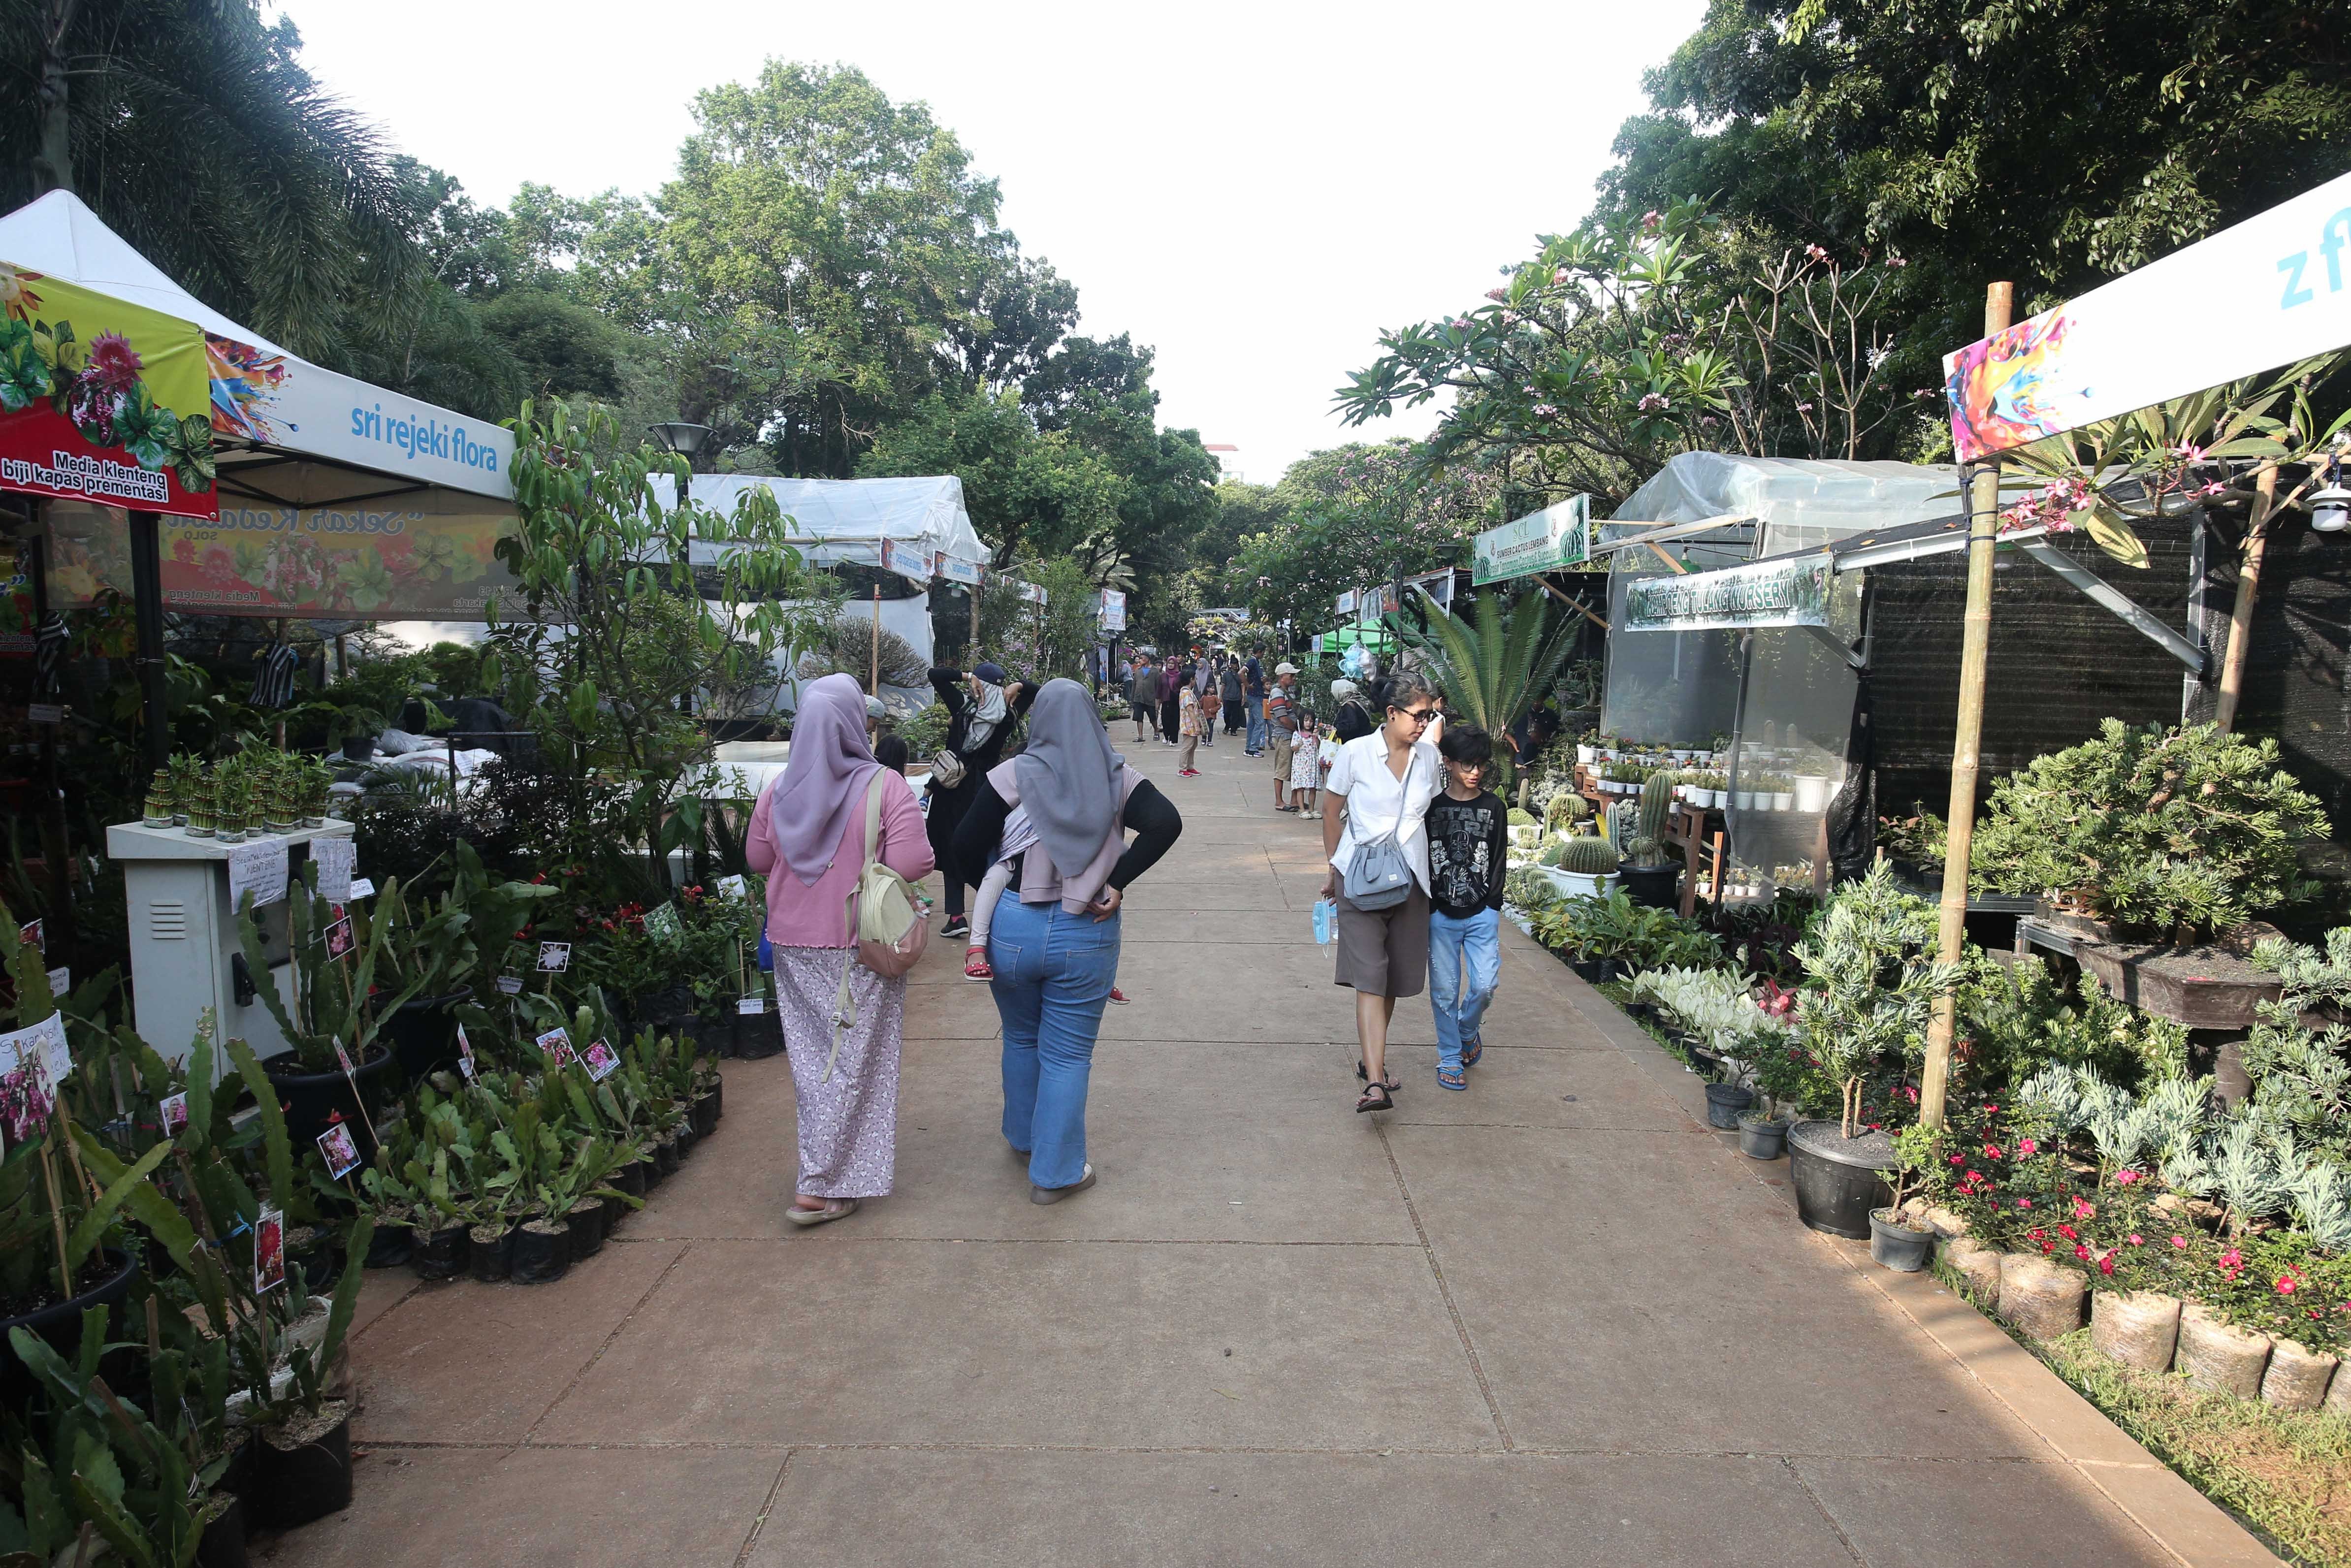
<point>1326,920</point>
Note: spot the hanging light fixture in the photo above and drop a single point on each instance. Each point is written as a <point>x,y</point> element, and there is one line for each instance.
<point>2330,508</point>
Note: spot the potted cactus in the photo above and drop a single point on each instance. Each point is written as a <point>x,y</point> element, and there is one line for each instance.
<point>1580,867</point>
<point>1650,875</point>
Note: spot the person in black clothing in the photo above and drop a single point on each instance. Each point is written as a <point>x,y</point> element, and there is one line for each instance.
<point>1054,937</point>
<point>1228,693</point>
<point>1354,720</point>
<point>982,709</point>
<point>1468,827</point>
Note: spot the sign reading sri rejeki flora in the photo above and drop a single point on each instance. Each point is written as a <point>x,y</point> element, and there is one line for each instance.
<point>101,400</point>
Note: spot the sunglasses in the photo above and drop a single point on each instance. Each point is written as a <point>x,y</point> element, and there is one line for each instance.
<point>1418,715</point>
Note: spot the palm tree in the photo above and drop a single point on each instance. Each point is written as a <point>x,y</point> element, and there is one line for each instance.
<point>1491,666</point>
<point>190,126</point>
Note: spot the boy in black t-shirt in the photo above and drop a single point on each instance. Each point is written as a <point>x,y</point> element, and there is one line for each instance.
<point>1467,827</point>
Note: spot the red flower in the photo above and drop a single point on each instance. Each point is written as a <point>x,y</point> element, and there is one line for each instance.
<point>2024,1203</point>
<point>2106,1264</point>
<point>2135,1241</point>
<point>2027,1147</point>
<point>2123,1178</point>
<point>2180,1242</point>
<point>2069,1233</point>
<point>2083,1210</point>
<point>1991,1151</point>
<point>113,362</point>
<point>2081,1252</point>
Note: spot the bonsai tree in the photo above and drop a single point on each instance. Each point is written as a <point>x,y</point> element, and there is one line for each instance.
<point>2179,833</point>
<point>1869,986</point>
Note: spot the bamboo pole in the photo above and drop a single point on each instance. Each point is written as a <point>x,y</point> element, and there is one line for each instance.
<point>2249,587</point>
<point>1983,521</point>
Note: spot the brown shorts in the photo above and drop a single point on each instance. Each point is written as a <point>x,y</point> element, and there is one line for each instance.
<point>1284,746</point>
<point>1385,951</point>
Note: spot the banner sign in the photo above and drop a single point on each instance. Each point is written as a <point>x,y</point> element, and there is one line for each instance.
<point>964,572</point>
<point>1113,610</point>
<point>276,399</point>
<point>2274,289</point>
<point>1345,607</point>
<point>431,556</point>
<point>1029,592</point>
<point>907,561</point>
<point>101,400</point>
<point>1764,593</point>
<point>1557,537</point>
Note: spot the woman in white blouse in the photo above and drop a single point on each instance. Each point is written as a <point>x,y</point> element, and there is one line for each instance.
<point>1384,781</point>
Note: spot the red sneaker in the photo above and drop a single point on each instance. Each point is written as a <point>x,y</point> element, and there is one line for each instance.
<point>974,965</point>
<point>1118,996</point>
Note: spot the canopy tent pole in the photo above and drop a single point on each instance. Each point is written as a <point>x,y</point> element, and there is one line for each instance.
<point>147,603</point>
<point>1983,522</point>
<point>873,676</point>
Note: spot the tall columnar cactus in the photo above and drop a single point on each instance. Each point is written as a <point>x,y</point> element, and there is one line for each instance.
<point>1648,841</point>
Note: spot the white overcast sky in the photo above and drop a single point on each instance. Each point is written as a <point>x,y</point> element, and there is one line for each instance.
<point>1254,190</point>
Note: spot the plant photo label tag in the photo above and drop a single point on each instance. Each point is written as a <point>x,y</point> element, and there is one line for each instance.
<point>662,925</point>
<point>339,933</point>
<point>341,1150</point>
<point>465,1054</point>
<point>736,886</point>
<point>602,1060</point>
<point>31,934</point>
<point>554,957</point>
<point>336,860</point>
<point>557,1047</point>
<point>269,1251</point>
<point>174,1111</point>
<point>343,1058</point>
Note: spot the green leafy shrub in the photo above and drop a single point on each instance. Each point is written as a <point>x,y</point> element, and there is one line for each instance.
<point>2180,831</point>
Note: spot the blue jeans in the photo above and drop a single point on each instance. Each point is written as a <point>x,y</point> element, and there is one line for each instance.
<point>1465,964</point>
<point>1255,742</point>
<point>1054,974</point>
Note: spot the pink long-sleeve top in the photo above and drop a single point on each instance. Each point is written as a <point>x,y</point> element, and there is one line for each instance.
<point>799,916</point>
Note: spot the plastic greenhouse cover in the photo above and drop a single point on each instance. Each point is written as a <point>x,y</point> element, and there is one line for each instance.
<point>1803,503</point>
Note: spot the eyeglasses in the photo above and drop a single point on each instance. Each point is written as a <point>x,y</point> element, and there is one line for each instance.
<point>1418,715</point>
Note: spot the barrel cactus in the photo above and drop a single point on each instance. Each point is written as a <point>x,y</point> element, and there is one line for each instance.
<point>1587,855</point>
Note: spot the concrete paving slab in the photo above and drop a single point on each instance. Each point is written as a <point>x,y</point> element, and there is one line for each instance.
<point>1084,1344</point>
<point>1305,1175</point>
<point>1007,1508</point>
<point>525,1508</point>
<point>1907,1514</point>
<point>1624,1293</point>
<point>1533,1088</point>
<point>462,1362</point>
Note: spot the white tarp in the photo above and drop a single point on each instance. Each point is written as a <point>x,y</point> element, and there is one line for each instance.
<point>262,394</point>
<point>1801,503</point>
<point>844,522</point>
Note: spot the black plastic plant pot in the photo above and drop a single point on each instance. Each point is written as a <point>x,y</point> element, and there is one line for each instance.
<point>1895,1245</point>
<point>422,1033</point>
<point>1836,1177</point>
<point>440,1254</point>
<point>586,1221</point>
<point>489,1252</point>
<point>312,1098</point>
<point>665,1157</point>
<point>1652,886</point>
<point>1761,1139</point>
<point>1641,1013</point>
<point>300,1475</point>
<point>1586,969</point>
<point>1723,1104</point>
<point>758,1036</point>
<point>717,1101</point>
<point>685,1135</point>
<point>615,1211</point>
<point>222,1545</point>
<point>704,1115</point>
<point>107,1280</point>
<point>649,1175</point>
<point>359,749</point>
<point>542,1252</point>
<point>634,1177</point>
<point>1610,972</point>
<point>390,1249</point>
<point>663,1011</point>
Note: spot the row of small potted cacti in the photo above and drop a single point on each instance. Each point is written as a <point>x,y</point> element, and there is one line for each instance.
<point>260,790</point>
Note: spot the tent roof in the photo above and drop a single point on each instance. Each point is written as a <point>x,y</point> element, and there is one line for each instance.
<point>845,521</point>
<point>269,403</point>
<point>1800,502</point>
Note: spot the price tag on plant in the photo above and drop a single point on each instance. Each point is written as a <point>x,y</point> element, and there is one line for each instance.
<point>557,1047</point>
<point>336,860</point>
<point>45,713</point>
<point>750,1006</point>
<point>363,887</point>
<point>60,980</point>
<point>510,984</point>
<point>736,886</point>
<point>465,1053</point>
<point>258,869</point>
<point>602,1060</point>
<point>554,957</point>
<point>662,925</point>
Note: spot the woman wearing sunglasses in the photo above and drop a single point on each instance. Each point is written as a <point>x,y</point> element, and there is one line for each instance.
<point>1382,783</point>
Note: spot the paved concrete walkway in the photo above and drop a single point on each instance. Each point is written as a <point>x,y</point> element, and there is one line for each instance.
<point>1552,1320</point>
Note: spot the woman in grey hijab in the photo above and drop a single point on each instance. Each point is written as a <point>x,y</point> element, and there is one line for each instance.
<point>1055,939</point>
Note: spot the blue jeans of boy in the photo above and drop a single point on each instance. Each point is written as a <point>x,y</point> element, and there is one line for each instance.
<point>1465,964</point>
<point>1053,975</point>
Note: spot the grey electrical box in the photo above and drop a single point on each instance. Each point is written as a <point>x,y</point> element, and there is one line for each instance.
<point>183,941</point>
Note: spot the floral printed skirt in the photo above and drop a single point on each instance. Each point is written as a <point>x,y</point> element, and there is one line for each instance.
<point>849,1123</point>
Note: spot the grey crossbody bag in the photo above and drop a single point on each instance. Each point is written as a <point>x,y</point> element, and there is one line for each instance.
<point>1379,876</point>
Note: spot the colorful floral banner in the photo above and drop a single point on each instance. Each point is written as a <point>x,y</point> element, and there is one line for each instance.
<point>2274,290</point>
<point>426,558</point>
<point>101,400</point>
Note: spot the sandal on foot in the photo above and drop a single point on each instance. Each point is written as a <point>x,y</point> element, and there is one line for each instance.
<point>974,965</point>
<point>838,1208</point>
<point>1375,1097</point>
<point>1056,1194</point>
<point>1363,1076</point>
<point>1472,1051</point>
<point>1451,1078</point>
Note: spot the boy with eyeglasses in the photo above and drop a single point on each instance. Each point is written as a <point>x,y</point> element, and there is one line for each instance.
<point>1468,828</point>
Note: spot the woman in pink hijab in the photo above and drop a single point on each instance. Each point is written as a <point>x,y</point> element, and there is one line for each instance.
<point>807,839</point>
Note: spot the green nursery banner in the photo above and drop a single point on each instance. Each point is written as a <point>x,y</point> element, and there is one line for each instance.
<point>1765,593</point>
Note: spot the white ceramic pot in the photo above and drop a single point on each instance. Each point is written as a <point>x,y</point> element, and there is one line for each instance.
<point>1577,884</point>
<point>1783,800</point>
<point>1745,799</point>
<point>1812,793</point>
<point>1586,755</point>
